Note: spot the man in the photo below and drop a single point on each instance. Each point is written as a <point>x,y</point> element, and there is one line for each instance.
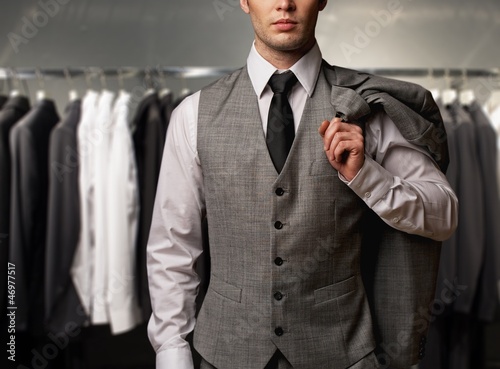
<point>285,231</point>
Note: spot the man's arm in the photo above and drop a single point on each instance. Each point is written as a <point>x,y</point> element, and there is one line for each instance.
<point>175,241</point>
<point>396,179</point>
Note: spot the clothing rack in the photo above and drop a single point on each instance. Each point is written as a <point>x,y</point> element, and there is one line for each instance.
<point>152,77</point>
<point>116,72</point>
<point>209,72</point>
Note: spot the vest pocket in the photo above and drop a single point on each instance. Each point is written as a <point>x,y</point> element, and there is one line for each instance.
<point>225,289</point>
<point>335,290</point>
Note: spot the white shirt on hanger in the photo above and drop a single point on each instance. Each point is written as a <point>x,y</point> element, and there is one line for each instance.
<point>103,128</point>
<point>82,261</point>
<point>122,204</point>
<point>103,269</point>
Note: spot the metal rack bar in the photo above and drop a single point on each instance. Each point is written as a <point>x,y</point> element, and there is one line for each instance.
<point>123,72</point>
<point>437,72</point>
<point>209,72</point>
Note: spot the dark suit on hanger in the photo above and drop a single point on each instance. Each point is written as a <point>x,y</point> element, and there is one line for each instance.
<point>30,168</point>
<point>487,294</point>
<point>470,243</point>
<point>62,304</point>
<point>470,231</point>
<point>149,139</point>
<point>13,110</point>
<point>438,337</point>
<point>453,329</point>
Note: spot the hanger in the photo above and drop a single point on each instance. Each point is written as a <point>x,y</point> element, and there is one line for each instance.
<point>165,90</point>
<point>102,79</point>
<point>73,93</point>
<point>185,90</point>
<point>15,82</point>
<point>88,78</point>
<point>449,95</point>
<point>466,96</point>
<point>435,92</point>
<point>493,100</point>
<point>148,80</point>
<point>41,94</point>
<point>121,85</point>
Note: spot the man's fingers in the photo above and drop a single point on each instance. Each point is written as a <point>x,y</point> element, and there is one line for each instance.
<point>338,145</point>
<point>323,127</point>
<point>326,124</point>
<point>341,143</point>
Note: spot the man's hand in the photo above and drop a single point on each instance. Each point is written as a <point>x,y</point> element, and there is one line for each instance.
<point>344,146</point>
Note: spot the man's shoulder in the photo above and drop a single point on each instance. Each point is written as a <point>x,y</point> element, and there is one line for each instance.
<point>223,82</point>
<point>354,78</point>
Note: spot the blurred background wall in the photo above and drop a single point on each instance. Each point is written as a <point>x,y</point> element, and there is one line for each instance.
<point>151,33</point>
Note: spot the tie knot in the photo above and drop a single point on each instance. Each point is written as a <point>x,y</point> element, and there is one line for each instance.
<point>282,83</point>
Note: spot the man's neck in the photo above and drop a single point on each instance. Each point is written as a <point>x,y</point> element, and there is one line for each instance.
<point>282,59</point>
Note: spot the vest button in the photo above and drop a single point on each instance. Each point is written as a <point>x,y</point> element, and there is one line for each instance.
<point>279,331</point>
<point>278,225</point>
<point>278,296</point>
<point>279,191</point>
<point>278,261</point>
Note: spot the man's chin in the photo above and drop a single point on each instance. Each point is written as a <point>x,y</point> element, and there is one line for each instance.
<point>289,45</point>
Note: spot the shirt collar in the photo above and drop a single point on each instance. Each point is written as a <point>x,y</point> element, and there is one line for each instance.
<point>306,69</point>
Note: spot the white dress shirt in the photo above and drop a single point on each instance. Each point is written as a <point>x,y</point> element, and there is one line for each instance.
<point>82,260</point>
<point>103,127</point>
<point>103,268</point>
<point>399,181</point>
<point>122,205</point>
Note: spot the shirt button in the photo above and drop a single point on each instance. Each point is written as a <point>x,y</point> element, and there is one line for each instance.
<point>278,296</point>
<point>279,331</point>
<point>368,195</point>
<point>278,225</point>
<point>279,191</point>
<point>278,261</point>
<point>395,219</point>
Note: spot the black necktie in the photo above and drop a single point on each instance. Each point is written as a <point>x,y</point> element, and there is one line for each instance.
<point>280,127</point>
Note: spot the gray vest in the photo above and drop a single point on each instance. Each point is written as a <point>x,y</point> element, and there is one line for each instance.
<point>285,250</point>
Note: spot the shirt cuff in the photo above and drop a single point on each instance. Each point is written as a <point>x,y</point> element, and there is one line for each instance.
<point>371,183</point>
<point>175,358</point>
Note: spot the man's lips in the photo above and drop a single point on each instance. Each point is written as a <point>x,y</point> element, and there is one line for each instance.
<point>285,24</point>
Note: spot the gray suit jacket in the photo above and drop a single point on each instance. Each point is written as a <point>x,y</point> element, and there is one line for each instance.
<point>401,282</point>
